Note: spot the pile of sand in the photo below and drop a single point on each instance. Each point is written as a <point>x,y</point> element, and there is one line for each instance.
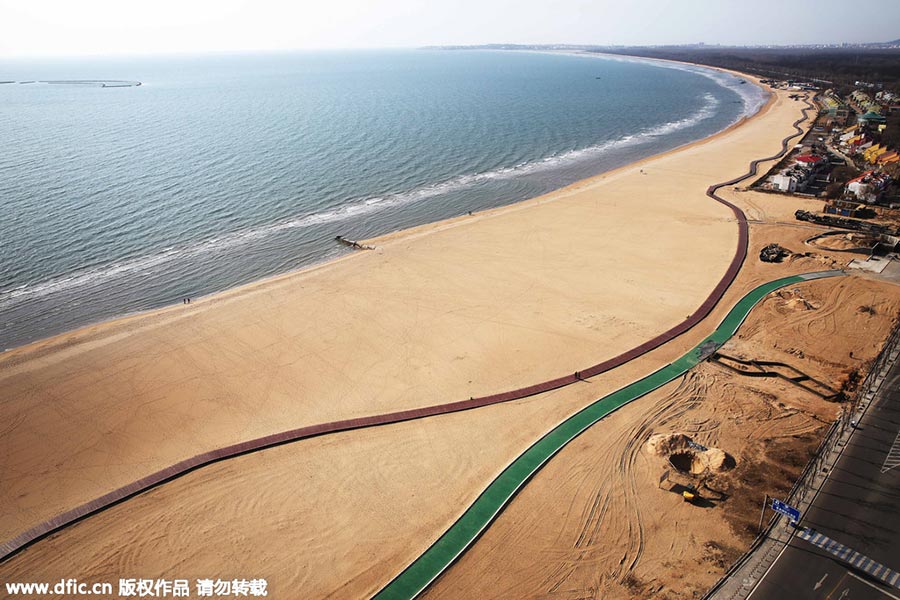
<point>799,304</point>
<point>844,241</point>
<point>677,448</point>
<point>718,460</point>
<point>662,444</point>
<point>811,260</point>
<point>793,301</point>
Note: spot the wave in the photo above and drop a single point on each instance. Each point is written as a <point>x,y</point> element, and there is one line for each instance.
<point>753,97</point>
<point>354,209</point>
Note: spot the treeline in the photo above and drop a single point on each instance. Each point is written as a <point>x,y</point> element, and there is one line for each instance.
<point>840,66</point>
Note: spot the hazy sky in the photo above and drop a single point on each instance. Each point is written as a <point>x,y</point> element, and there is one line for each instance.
<point>69,27</point>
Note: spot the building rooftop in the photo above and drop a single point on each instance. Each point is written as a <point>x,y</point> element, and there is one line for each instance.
<point>872,116</point>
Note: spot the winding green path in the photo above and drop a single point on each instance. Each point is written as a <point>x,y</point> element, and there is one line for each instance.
<point>417,576</point>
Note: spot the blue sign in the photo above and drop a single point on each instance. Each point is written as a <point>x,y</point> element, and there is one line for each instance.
<point>786,509</point>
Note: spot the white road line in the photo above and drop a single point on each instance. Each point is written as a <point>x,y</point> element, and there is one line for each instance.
<point>771,566</point>
<point>873,586</point>
<point>893,457</point>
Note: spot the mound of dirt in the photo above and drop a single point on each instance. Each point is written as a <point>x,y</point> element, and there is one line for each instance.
<point>799,304</point>
<point>686,456</point>
<point>845,241</point>
<point>812,260</point>
<point>662,444</point>
<point>688,462</point>
<point>793,301</point>
<point>719,460</point>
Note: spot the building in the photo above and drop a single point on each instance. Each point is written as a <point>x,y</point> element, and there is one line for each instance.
<point>783,182</point>
<point>862,102</point>
<point>872,118</point>
<point>887,158</point>
<point>887,97</point>
<point>810,159</point>
<point>797,176</point>
<point>872,152</point>
<point>835,110</point>
<point>847,209</point>
<point>868,186</point>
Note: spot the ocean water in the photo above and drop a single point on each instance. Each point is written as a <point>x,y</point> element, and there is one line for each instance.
<point>221,170</point>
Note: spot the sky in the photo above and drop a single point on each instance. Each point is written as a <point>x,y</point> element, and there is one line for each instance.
<point>125,27</point>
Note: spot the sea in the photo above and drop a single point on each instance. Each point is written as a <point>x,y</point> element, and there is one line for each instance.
<point>219,170</point>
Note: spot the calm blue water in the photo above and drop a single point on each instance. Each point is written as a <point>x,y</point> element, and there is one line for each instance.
<point>222,170</point>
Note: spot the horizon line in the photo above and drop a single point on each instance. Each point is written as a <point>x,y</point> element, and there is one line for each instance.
<point>474,46</point>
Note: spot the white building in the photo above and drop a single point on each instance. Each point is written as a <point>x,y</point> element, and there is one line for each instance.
<point>784,182</point>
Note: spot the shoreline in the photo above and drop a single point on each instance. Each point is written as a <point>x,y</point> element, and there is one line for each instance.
<point>84,343</point>
<point>25,539</point>
<point>101,416</point>
<point>10,357</point>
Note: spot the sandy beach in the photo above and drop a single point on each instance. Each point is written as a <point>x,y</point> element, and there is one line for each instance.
<point>441,313</point>
<point>436,314</point>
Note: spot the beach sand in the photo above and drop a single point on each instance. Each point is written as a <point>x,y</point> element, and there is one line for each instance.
<point>437,314</point>
<point>338,516</point>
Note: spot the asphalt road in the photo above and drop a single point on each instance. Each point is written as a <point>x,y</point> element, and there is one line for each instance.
<point>859,506</point>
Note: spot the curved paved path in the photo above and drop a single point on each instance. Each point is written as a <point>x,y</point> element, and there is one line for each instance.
<point>419,575</point>
<point>41,530</point>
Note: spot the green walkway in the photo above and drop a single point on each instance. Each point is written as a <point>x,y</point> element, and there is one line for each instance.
<point>416,577</point>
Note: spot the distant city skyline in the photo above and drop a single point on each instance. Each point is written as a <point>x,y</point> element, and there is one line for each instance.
<point>88,27</point>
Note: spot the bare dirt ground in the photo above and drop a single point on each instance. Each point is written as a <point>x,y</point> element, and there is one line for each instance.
<point>596,523</point>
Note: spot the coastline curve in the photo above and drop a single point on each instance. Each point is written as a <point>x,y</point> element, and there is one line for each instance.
<point>50,526</point>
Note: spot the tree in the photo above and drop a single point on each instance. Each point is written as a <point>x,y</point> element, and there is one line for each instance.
<point>843,173</point>
<point>834,190</point>
<point>890,137</point>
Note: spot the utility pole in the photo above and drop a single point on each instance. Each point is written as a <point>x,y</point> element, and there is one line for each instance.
<point>762,513</point>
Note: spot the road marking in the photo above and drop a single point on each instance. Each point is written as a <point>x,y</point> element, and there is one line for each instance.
<point>873,586</point>
<point>784,548</point>
<point>855,559</point>
<point>836,586</point>
<point>820,582</point>
<point>893,457</point>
